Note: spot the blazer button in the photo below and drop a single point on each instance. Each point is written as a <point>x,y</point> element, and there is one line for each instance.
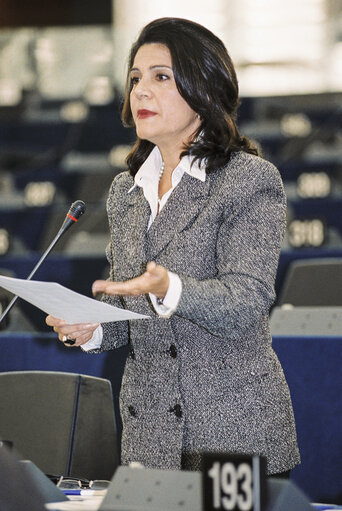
<point>132,354</point>
<point>132,411</point>
<point>177,410</point>
<point>173,351</point>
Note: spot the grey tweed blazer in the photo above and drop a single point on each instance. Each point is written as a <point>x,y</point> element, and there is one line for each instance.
<point>207,378</point>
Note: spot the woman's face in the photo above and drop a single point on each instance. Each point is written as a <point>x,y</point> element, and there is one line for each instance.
<point>160,113</point>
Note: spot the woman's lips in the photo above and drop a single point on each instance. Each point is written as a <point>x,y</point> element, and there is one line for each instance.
<point>143,114</point>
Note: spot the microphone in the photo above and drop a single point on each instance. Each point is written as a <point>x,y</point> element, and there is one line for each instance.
<point>76,210</point>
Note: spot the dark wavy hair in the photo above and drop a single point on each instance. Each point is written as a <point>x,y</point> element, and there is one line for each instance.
<point>205,77</point>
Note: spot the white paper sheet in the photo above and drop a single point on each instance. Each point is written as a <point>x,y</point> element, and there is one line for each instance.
<point>80,504</point>
<point>63,303</point>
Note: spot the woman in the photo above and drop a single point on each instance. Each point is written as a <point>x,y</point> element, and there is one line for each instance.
<point>196,228</point>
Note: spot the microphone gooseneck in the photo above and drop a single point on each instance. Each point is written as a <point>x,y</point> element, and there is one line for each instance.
<point>76,210</point>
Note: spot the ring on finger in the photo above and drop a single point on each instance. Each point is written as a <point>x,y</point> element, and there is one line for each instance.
<point>68,340</point>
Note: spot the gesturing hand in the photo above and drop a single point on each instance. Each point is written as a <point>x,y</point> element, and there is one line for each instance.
<point>155,280</point>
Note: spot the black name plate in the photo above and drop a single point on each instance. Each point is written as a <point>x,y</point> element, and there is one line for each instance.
<point>233,482</point>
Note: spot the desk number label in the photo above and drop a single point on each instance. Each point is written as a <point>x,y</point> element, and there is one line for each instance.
<point>232,483</point>
<point>232,486</point>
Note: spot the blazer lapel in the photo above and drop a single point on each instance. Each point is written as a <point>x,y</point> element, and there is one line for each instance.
<point>183,205</point>
<point>133,232</point>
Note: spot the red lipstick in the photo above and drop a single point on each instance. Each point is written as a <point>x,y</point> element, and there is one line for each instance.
<point>143,113</point>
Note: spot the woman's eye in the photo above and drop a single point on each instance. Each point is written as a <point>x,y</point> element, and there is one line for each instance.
<point>134,80</point>
<point>162,77</point>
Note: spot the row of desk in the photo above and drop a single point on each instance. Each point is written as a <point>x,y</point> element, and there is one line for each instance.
<point>312,366</point>
<point>78,272</point>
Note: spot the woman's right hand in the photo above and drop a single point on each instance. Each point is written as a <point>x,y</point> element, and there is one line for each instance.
<point>80,332</point>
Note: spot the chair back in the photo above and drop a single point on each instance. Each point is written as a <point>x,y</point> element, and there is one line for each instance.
<point>313,282</point>
<point>62,422</point>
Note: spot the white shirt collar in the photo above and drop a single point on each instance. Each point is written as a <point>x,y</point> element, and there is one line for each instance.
<point>148,174</point>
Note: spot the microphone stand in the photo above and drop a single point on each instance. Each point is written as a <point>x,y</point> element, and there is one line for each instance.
<point>41,260</point>
<point>68,222</point>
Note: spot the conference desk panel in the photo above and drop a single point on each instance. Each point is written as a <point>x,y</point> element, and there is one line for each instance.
<point>74,272</point>
<point>312,368</point>
<point>78,272</point>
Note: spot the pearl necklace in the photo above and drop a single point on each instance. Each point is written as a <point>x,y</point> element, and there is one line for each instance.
<point>161,170</point>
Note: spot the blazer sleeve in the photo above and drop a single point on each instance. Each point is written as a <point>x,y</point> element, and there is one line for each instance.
<point>247,253</point>
<point>115,334</point>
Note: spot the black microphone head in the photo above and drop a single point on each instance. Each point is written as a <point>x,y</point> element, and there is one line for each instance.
<point>77,209</point>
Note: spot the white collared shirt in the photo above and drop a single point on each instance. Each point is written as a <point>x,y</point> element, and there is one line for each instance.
<point>147,178</point>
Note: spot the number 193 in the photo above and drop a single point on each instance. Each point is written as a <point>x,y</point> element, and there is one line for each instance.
<point>232,486</point>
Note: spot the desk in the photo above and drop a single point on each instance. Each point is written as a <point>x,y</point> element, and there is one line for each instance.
<point>312,367</point>
<point>78,273</point>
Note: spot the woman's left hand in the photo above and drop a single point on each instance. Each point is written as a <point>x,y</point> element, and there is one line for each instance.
<point>155,280</point>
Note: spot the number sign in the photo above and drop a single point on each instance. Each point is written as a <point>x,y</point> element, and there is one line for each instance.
<point>233,482</point>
